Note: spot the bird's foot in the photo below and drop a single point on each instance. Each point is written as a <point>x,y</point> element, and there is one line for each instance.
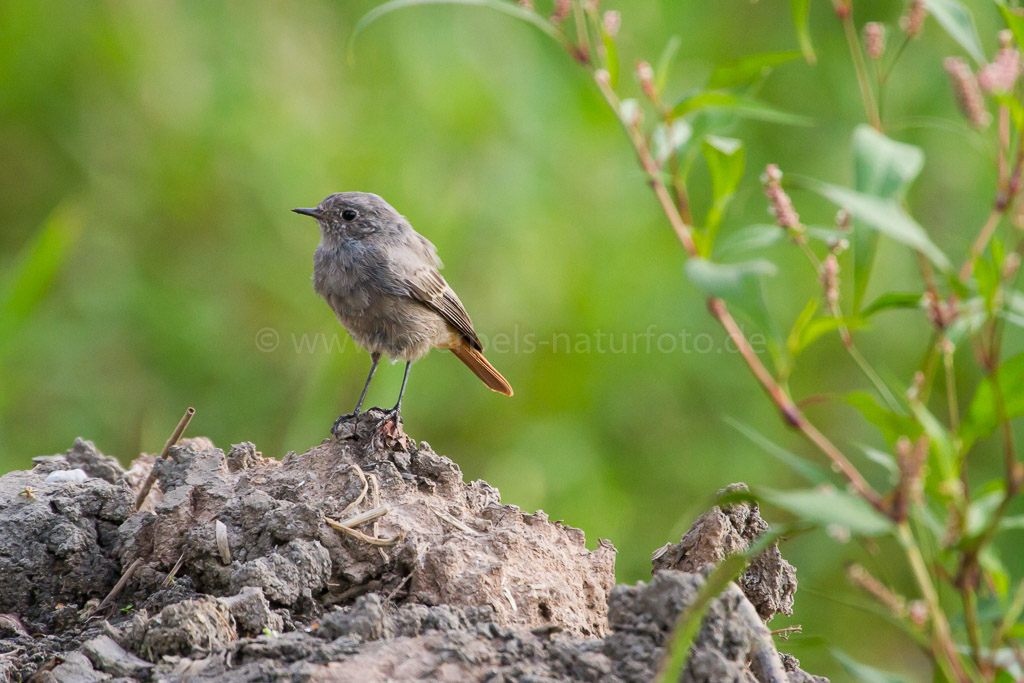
<point>336,427</point>
<point>389,425</point>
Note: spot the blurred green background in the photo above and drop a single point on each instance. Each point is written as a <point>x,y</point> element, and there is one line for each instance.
<point>156,148</point>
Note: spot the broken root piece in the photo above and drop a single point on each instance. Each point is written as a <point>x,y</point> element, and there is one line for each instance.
<point>347,526</point>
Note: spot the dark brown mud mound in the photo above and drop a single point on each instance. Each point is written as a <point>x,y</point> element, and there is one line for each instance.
<point>362,559</point>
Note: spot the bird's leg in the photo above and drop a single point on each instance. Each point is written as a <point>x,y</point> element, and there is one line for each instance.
<point>395,412</point>
<point>355,413</point>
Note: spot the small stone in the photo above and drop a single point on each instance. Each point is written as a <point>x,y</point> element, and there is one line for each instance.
<point>109,657</point>
<point>251,611</point>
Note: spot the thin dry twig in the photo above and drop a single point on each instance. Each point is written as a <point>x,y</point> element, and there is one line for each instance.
<point>461,526</point>
<point>151,479</point>
<point>362,494</point>
<point>785,633</point>
<point>399,587</point>
<point>364,517</point>
<point>365,538</point>
<point>174,570</point>
<point>119,586</point>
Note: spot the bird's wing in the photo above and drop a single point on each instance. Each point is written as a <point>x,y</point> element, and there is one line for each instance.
<point>428,287</point>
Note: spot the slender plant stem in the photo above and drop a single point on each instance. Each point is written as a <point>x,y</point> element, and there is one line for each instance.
<point>811,256</point>
<point>790,412</point>
<point>847,336</point>
<point>942,640</point>
<point>582,35</point>
<point>951,401</point>
<point>1004,145</point>
<point>980,242</point>
<point>1004,200</point>
<point>1009,619</point>
<point>868,371</point>
<point>970,602</point>
<point>859,65</point>
<point>884,77</point>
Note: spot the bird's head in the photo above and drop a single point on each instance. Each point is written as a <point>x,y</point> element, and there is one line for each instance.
<point>352,215</point>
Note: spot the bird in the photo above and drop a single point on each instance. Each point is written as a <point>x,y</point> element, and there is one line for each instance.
<point>382,279</point>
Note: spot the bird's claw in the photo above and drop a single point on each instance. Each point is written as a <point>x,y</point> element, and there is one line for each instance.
<point>343,418</point>
<point>390,416</point>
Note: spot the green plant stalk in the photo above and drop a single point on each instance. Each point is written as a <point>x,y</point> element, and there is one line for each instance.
<point>951,402</point>
<point>943,646</point>
<point>847,336</point>
<point>866,94</point>
<point>1009,619</point>
<point>594,34</point>
<point>884,77</point>
<point>582,34</point>
<point>1005,196</point>
<point>868,371</point>
<point>970,602</point>
<point>927,367</point>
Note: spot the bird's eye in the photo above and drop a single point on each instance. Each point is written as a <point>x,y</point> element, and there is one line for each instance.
<point>349,214</point>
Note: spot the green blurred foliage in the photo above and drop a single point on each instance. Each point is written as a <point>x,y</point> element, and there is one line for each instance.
<point>152,151</point>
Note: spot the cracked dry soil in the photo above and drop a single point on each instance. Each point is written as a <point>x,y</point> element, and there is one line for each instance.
<point>429,578</point>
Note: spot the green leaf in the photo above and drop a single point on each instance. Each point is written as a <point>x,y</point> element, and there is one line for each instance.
<point>982,419</point>
<point>1014,21</point>
<point>883,168</point>
<point>941,442</point>
<point>958,22</point>
<point>884,460</point>
<point>980,512</point>
<point>828,506</point>
<point>801,10</point>
<point>796,333</point>
<point>994,568</point>
<point>805,469</point>
<point>748,69</point>
<point>988,278</point>
<point>689,622</point>
<point>1012,522</point>
<point>752,238</point>
<point>886,216</point>
<point>862,672</point>
<point>893,300</point>
<point>35,269</point>
<point>820,326</point>
<point>891,425</point>
<point>665,62</point>
<point>1013,105</point>
<point>735,103</point>
<point>736,283</point>
<point>508,8</point>
<point>725,160</point>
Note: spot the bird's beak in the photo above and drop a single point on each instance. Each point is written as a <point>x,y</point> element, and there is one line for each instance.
<point>315,213</point>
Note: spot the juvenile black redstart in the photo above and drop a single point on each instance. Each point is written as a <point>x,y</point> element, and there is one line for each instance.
<point>381,278</point>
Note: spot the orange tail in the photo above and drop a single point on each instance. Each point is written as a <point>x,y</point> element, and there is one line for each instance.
<point>476,362</point>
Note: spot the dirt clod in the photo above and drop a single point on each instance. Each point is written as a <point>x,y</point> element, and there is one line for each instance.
<point>769,582</point>
<point>430,578</point>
